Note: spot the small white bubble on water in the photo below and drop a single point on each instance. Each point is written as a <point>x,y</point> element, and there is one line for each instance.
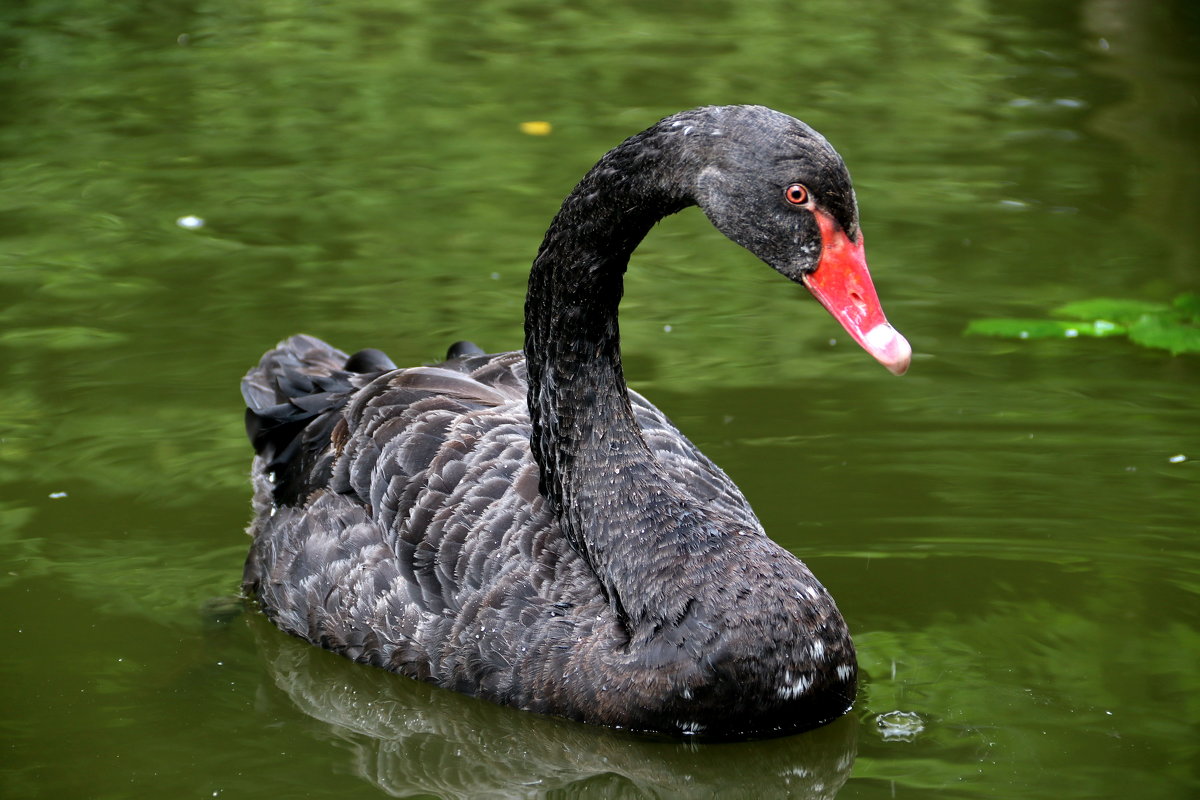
<point>191,222</point>
<point>1178,458</point>
<point>57,495</point>
<point>667,328</point>
<point>1070,333</point>
<point>900,726</point>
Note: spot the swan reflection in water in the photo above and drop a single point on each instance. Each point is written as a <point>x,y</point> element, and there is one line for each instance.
<point>411,739</point>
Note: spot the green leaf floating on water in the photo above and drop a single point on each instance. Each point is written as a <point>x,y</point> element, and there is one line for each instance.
<point>1174,327</point>
<point>1167,334</point>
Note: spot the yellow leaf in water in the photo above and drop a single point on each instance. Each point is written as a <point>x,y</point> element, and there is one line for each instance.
<point>536,128</point>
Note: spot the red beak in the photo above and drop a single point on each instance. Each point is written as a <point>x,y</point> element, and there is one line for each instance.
<point>843,285</point>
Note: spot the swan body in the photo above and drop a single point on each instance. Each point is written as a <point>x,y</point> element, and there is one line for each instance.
<point>523,527</point>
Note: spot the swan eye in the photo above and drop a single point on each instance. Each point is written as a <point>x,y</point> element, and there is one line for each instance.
<point>796,194</point>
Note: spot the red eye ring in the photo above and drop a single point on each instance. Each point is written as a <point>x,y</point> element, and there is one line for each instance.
<point>796,194</point>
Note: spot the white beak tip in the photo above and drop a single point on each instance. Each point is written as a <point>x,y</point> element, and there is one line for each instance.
<point>889,348</point>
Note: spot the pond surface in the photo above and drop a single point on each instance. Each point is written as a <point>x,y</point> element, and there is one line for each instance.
<point>1011,530</point>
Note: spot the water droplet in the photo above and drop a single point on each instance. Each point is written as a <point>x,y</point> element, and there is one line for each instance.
<point>900,726</point>
<point>190,222</point>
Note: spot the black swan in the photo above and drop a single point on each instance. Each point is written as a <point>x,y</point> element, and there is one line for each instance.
<point>524,528</point>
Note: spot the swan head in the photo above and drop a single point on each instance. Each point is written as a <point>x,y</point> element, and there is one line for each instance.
<point>775,186</point>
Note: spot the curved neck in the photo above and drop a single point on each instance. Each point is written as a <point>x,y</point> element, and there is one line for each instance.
<point>585,440</point>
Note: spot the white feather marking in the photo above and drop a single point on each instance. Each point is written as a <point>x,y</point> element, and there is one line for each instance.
<point>793,688</point>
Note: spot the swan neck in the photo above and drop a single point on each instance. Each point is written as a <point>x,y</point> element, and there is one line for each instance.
<point>585,438</point>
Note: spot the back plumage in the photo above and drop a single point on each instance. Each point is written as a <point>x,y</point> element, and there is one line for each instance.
<point>399,520</point>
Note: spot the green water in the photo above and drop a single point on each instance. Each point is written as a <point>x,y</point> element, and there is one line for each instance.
<point>1007,529</point>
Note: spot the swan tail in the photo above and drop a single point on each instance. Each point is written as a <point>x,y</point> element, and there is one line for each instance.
<point>293,397</point>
